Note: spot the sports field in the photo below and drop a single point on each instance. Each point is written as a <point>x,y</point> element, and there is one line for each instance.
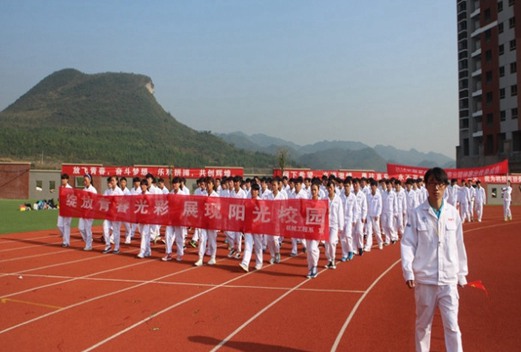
<point>56,299</point>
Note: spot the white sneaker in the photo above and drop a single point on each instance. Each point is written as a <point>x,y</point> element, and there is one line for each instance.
<point>272,261</point>
<point>380,246</point>
<point>199,262</point>
<point>244,267</point>
<point>258,267</point>
<point>212,261</point>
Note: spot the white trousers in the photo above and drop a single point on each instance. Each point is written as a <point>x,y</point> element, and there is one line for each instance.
<point>116,230</point>
<point>445,297</point>
<point>358,234</point>
<point>373,227</point>
<point>312,253</point>
<point>144,230</point>
<point>479,210</point>
<point>85,227</point>
<point>64,225</point>
<point>331,244</point>
<point>346,238</point>
<point>273,244</point>
<point>294,245</point>
<point>507,213</point>
<point>175,233</point>
<point>252,243</point>
<point>207,239</point>
<point>388,227</point>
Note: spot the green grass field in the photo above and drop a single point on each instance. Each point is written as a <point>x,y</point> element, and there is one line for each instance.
<point>13,220</point>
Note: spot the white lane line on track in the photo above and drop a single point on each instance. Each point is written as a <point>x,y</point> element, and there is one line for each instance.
<point>258,314</point>
<point>358,303</point>
<point>199,284</point>
<point>93,298</point>
<point>186,300</point>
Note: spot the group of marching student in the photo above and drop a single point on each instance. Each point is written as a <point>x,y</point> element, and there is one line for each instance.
<point>358,210</point>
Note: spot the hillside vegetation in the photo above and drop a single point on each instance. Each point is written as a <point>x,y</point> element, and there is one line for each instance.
<point>109,118</point>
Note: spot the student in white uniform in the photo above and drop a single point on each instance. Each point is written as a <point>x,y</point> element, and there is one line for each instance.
<point>452,192</point>
<point>127,225</point>
<point>199,191</point>
<point>464,202</point>
<point>112,190</point>
<point>401,208</point>
<point>174,233</point>
<point>359,217</point>
<point>298,193</point>
<point>388,213</point>
<point>144,229</point>
<point>374,212</point>
<point>252,242</point>
<point>236,192</point>
<point>434,262</point>
<point>336,223</point>
<point>85,225</point>
<point>208,237</point>
<point>313,252</point>
<point>480,200</point>
<point>346,235</point>
<point>272,242</point>
<point>64,223</point>
<point>136,189</point>
<point>155,234</point>
<point>412,198</point>
<point>506,193</point>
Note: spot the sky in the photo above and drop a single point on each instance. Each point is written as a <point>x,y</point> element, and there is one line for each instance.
<point>376,72</point>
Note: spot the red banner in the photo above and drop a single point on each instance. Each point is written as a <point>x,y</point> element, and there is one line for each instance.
<point>299,218</point>
<point>404,171</point>
<point>216,172</point>
<point>294,173</point>
<point>142,171</point>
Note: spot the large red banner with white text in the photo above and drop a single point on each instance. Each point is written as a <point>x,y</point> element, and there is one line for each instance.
<point>157,171</point>
<point>299,218</point>
<point>405,171</point>
<point>294,173</point>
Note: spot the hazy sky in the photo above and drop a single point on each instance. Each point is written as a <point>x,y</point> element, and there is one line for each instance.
<point>378,72</point>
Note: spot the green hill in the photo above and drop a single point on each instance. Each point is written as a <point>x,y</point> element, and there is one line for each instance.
<point>109,118</point>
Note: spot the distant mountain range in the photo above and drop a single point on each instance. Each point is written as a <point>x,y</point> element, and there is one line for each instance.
<point>332,155</point>
<point>114,119</point>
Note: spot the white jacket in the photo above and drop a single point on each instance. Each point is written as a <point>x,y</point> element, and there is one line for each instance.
<point>432,250</point>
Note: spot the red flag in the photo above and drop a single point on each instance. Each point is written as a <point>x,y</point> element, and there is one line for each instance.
<point>479,285</point>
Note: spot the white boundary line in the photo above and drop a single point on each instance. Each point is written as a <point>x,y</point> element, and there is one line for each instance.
<point>259,313</point>
<point>355,308</point>
<point>224,284</point>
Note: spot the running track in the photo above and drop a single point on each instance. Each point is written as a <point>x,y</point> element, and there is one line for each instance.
<point>55,299</point>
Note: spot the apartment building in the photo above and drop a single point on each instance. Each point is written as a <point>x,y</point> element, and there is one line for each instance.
<point>488,54</point>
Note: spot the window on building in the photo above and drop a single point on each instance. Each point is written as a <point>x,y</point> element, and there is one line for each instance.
<point>489,145</point>
<point>513,90</point>
<point>463,64</point>
<point>488,55</point>
<point>511,22</point>
<point>503,115</point>
<point>488,76</point>
<point>464,123</point>
<point>466,146</point>
<point>488,35</point>
<point>501,142</point>
<point>501,50</point>
<point>489,98</point>
<point>511,2</point>
<point>500,27</point>
<point>501,71</point>
<point>78,182</point>
<point>502,93</point>
<point>513,67</point>
<point>513,113</point>
<point>487,14</point>
<point>52,186</point>
<point>464,104</point>
<point>516,141</point>
<point>464,84</point>
<point>512,45</point>
<point>490,119</point>
<point>39,185</point>
<point>462,6</point>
